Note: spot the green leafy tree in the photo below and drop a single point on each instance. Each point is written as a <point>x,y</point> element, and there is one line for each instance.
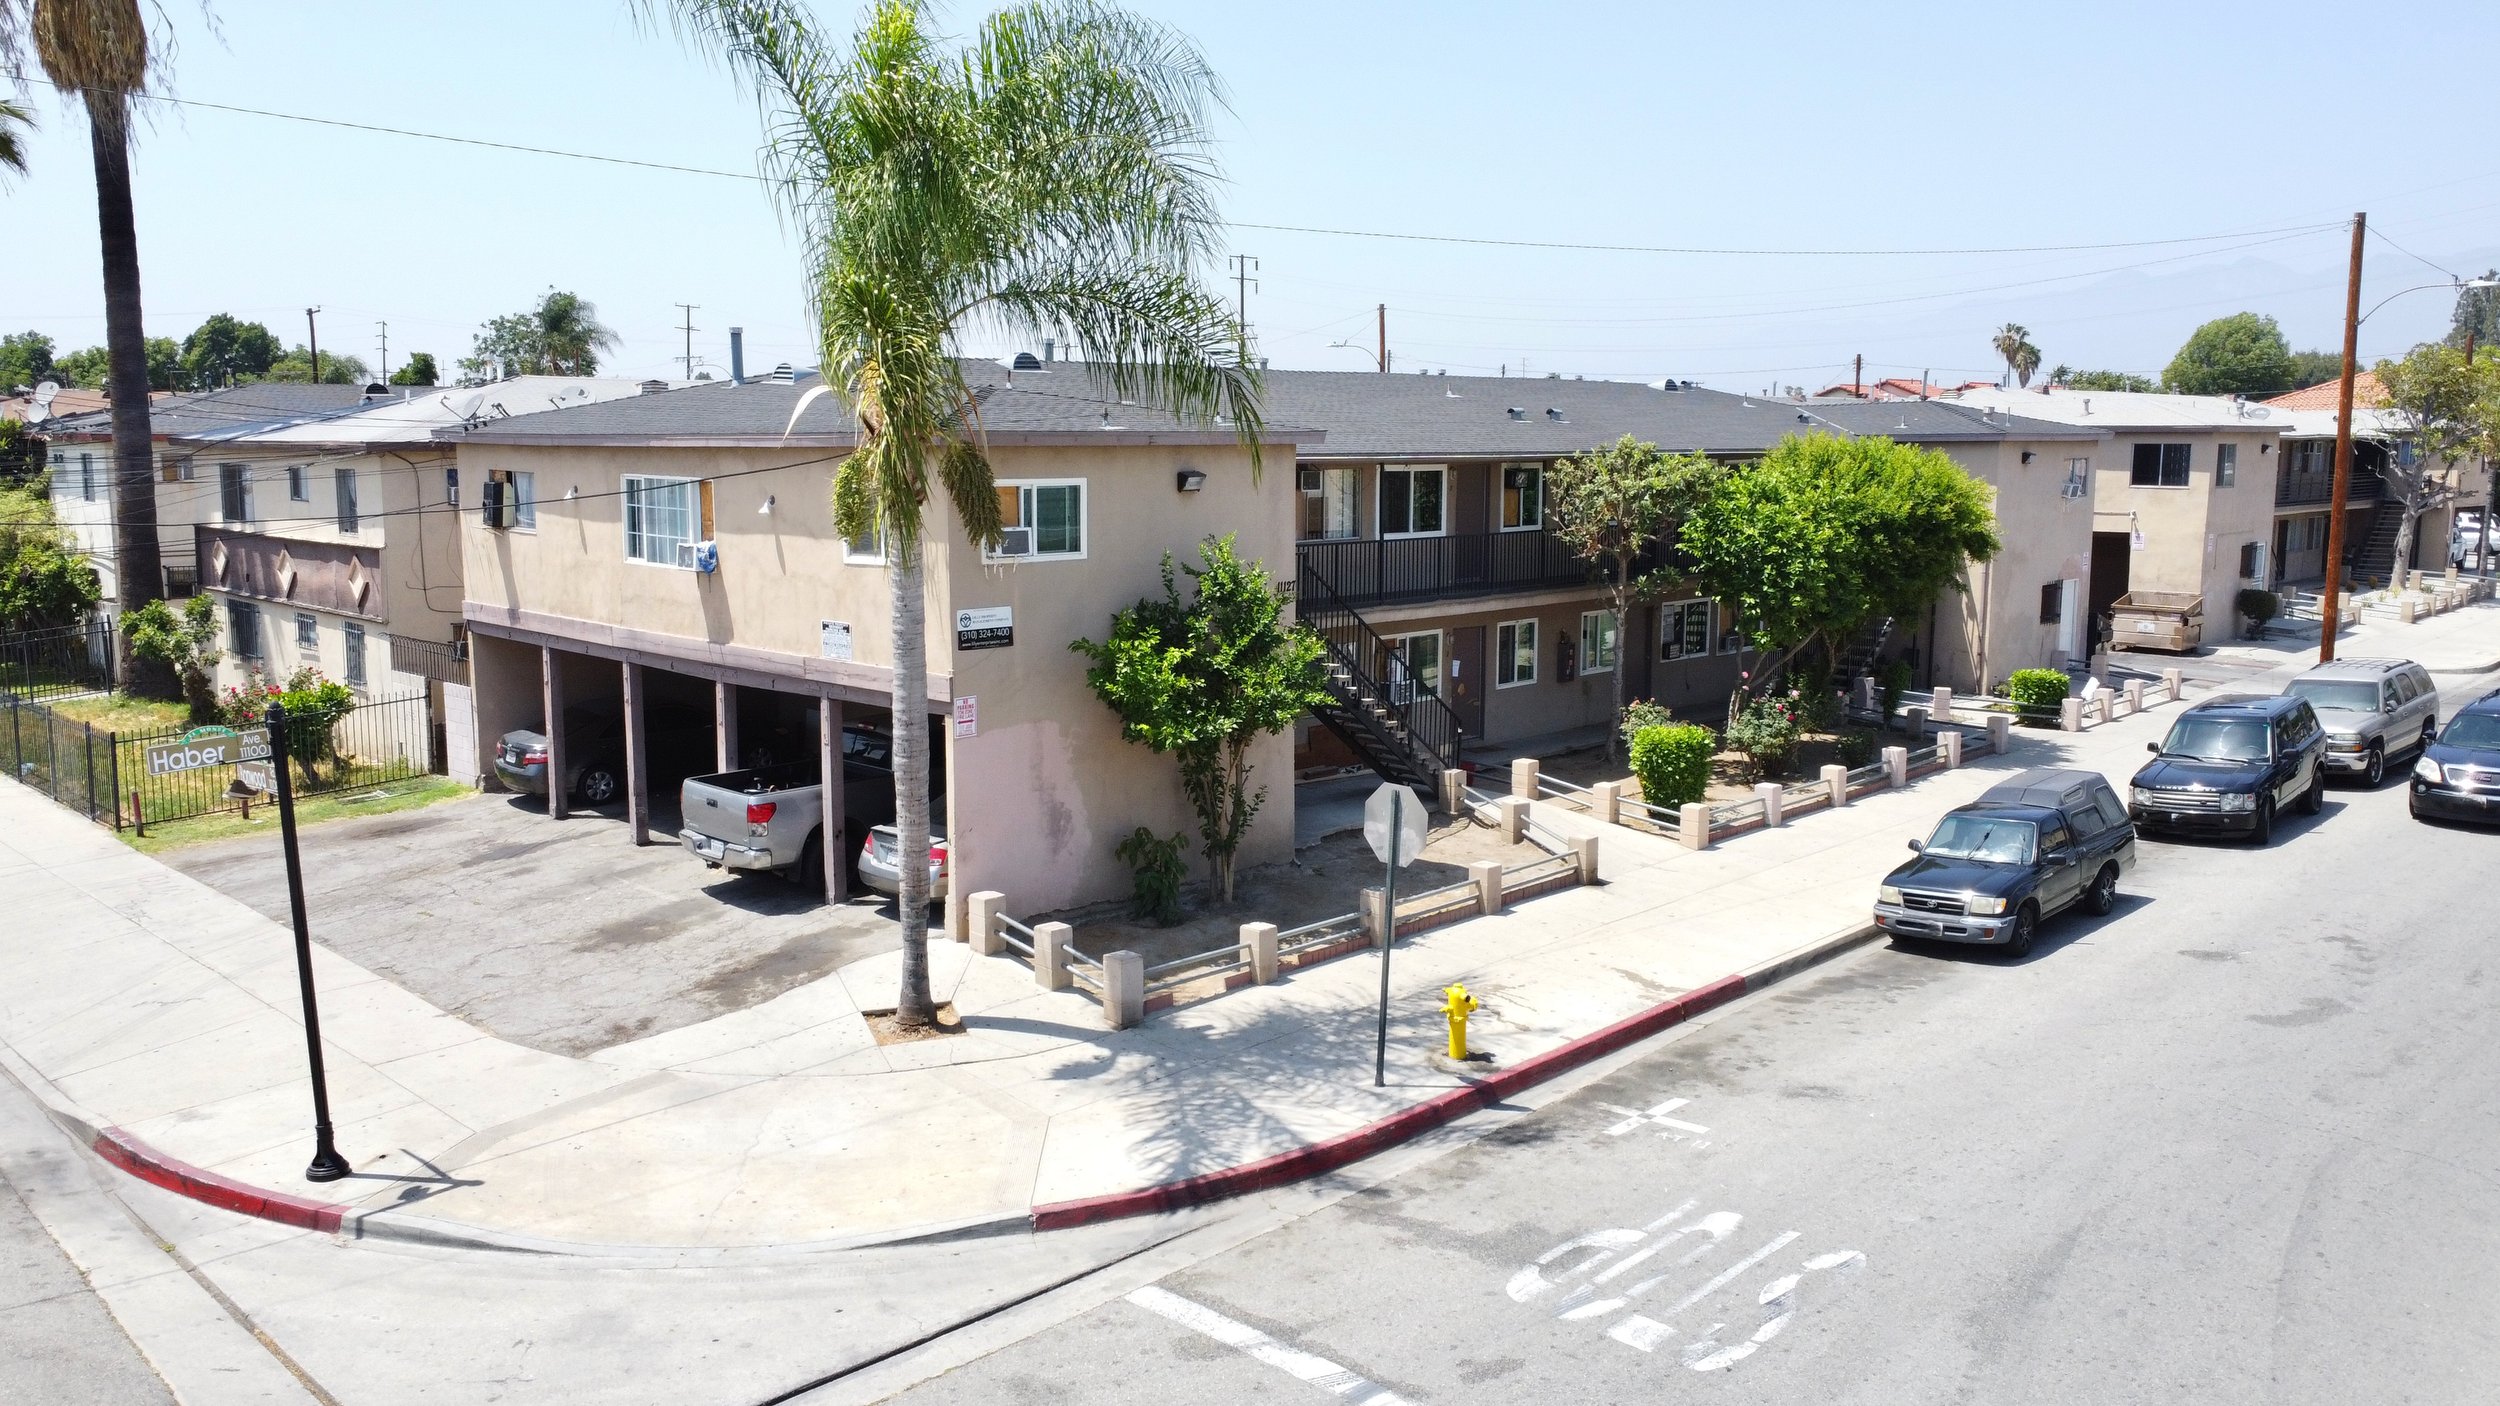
<point>419,371</point>
<point>183,645</point>
<point>2316,368</point>
<point>90,368</point>
<point>2022,359</point>
<point>1823,536</point>
<point>164,364</point>
<point>2477,315</point>
<point>2442,405</point>
<point>1049,177</point>
<point>44,580</point>
<point>21,453</point>
<point>2102,380</point>
<point>25,360</point>
<point>224,351</point>
<point>561,336</point>
<point>2243,354</point>
<point>336,369</point>
<point>1611,507</point>
<point>1203,679</point>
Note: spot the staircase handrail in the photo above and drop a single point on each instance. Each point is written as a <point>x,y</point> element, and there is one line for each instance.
<point>1432,727</point>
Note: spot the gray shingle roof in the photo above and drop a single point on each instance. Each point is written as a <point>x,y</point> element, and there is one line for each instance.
<point>268,403</point>
<point>1932,421</point>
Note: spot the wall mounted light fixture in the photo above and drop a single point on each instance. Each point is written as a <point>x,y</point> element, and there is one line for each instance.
<point>767,509</point>
<point>1191,480</point>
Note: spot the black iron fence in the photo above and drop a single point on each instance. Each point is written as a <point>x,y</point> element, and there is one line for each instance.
<point>104,775</point>
<point>1369,571</point>
<point>57,663</point>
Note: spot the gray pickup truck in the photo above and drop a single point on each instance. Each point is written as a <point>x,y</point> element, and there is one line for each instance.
<point>772,817</point>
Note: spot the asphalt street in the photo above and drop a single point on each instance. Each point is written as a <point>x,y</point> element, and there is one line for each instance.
<point>59,1344</point>
<point>2235,1143</point>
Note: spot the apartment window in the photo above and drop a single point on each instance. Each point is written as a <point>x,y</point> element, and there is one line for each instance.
<point>234,493</point>
<point>1523,497</point>
<point>659,520</point>
<point>2253,561</point>
<point>86,477</point>
<point>307,632</point>
<point>1414,666</point>
<point>1514,653</point>
<point>2226,465</point>
<point>2078,477</point>
<point>353,636</point>
<point>345,482</point>
<point>243,628</point>
<point>2053,603</point>
<point>866,549</point>
<point>1042,519</point>
<point>1684,629</point>
<point>524,491</point>
<point>2159,466</point>
<point>1328,504</point>
<point>1597,642</point>
<point>1413,502</point>
<point>299,483</point>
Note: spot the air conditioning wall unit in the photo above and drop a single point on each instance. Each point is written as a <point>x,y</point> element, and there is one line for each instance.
<point>1016,542</point>
<point>2072,491</point>
<point>1310,483</point>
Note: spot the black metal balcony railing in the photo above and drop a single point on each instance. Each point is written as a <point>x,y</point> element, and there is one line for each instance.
<point>1372,571</point>
<point>2299,489</point>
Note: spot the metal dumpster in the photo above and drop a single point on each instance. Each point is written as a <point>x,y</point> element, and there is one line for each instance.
<point>2163,620</point>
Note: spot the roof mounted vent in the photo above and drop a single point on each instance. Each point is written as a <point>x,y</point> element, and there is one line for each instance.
<point>654,387</point>
<point>1027,361</point>
<point>1518,413</point>
<point>1553,414</point>
<point>782,375</point>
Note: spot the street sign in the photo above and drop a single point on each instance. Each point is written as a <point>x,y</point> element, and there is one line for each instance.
<point>254,776</point>
<point>206,747</point>
<point>1408,820</point>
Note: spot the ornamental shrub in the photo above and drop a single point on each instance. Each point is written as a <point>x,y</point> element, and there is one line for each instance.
<point>314,708</point>
<point>2038,692</point>
<point>1639,716</point>
<point>1158,867</point>
<point>1891,682</point>
<point>2260,607</point>
<point>1856,748</point>
<point>1766,732</point>
<point>1672,761</point>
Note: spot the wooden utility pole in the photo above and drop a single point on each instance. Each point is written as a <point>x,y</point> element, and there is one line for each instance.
<point>2331,608</point>
<point>1244,265</point>
<point>1384,337</point>
<point>1857,376</point>
<point>312,334</point>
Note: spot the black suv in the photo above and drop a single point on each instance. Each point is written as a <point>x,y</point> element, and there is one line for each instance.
<point>2229,765</point>
<point>2458,777</point>
<point>2028,848</point>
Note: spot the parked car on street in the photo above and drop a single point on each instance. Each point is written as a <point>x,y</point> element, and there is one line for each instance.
<point>2458,777</point>
<point>2229,765</point>
<point>2372,709</point>
<point>2027,849</point>
<point>771,818</point>
<point>880,866</point>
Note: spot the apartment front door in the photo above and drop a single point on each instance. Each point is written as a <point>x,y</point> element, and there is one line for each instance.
<point>1467,681</point>
<point>1413,667</point>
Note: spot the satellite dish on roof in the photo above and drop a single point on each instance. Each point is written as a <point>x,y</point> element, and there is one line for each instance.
<point>42,403</point>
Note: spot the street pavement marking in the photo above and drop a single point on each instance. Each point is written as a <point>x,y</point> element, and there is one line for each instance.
<point>1638,1117</point>
<point>1318,1371</point>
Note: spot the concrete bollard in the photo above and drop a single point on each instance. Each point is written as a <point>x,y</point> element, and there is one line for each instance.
<point>1897,766</point>
<point>2173,683</point>
<point>1374,909</point>
<point>2414,581</point>
<point>1454,792</point>
<point>1866,692</point>
<point>1486,875</point>
<point>1942,706</point>
<point>1606,802</point>
<point>1584,850</point>
<point>2135,697</point>
<point>1523,778</point>
<point>1258,944</point>
<point>1123,990</point>
<point>2404,610</point>
<point>2000,734</point>
<point>1771,794</point>
<point>1050,955</point>
<point>2070,715</point>
<point>2097,706</point>
<point>1949,747</point>
<point>1836,780</point>
<point>1514,819</point>
<point>1692,825</point>
<point>1915,721</point>
<point>981,912</point>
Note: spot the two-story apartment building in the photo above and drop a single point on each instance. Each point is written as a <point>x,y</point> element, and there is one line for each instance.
<point>332,541</point>
<point>2304,489</point>
<point>2183,494</point>
<point>681,544</point>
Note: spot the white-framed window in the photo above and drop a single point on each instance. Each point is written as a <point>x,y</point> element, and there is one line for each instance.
<point>1514,653</point>
<point>1684,629</point>
<point>660,520</point>
<point>344,481</point>
<point>352,635</point>
<point>1414,502</point>
<point>299,483</point>
<point>234,492</point>
<point>2226,465</point>
<point>2160,466</point>
<point>1042,518</point>
<point>307,632</point>
<point>1328,497</point>
<point>1413,667</point>
<point>1597,641</point>
<point>524,491</point>
<point>866,549</point>
<point>243,628</point>
<point>1523,497</point>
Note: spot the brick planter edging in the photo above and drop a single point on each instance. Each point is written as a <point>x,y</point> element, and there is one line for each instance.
<point>181,1178</point>
<point>1345,1148</point>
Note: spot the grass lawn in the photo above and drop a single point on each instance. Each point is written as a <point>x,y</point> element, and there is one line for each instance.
<point>380,800</point>
<point>119,712</point>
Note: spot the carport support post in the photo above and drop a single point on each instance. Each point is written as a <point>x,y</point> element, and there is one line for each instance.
<point>724,725</point>
<point>637,760</point>
<point>551,706</point>
<point>837,845</point>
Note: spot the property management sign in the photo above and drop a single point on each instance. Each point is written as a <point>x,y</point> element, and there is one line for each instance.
<point>208,746</point>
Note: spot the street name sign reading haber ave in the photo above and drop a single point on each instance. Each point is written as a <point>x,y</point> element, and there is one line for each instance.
<point>207,747</point>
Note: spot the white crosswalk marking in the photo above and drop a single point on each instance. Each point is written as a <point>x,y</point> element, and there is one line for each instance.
<point>1318,1371</point>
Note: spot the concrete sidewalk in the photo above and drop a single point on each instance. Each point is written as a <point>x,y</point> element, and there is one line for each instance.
<point>134,998</point>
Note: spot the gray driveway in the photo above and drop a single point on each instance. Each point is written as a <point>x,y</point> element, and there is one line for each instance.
<point>559,935</point>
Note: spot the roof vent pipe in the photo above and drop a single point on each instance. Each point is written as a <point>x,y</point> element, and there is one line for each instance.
<point>1517,413</point>
<point>1050,350</point>
<point>737,356</point>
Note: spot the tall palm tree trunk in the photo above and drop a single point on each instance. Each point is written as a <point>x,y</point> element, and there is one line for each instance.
<point>138,565</point>
<point>914,1005</point>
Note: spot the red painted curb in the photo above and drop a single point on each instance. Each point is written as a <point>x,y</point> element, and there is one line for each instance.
<point>1305,1162</point>
<point>183,1179</point>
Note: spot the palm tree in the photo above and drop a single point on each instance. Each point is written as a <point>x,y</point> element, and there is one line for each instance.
<point>2026,361</point>
<point>1050,176</point>
<point>16,119</point>
<point>2013,342</point>
<point>570,335</point>
<point>99,53</point>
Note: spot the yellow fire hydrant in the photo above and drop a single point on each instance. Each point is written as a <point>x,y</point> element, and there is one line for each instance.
<point>1457,1007</point>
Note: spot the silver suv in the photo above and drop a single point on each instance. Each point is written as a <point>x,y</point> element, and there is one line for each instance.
<point>2372,709</point>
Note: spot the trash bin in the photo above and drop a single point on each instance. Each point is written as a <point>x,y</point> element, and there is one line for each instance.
<point>2169,621</point>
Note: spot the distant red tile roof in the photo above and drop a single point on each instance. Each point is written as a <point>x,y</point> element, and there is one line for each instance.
<point>2323,396</point>
<point>1900,388</point>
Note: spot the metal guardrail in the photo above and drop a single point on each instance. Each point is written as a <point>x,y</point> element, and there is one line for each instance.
<point>1295,941</point>
<point>1921,756</point>
<point>1738,812</point>
<point>1872,771</point>
<point>1007,930</point>
<point>1538,870</point>
<point>1669,820</point>
<point>1562,790</point>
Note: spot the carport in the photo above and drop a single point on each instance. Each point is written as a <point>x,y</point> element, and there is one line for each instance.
<point>756,714</point>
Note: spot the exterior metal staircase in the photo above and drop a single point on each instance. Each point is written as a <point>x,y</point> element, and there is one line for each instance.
<point>1405,734</point>
<point>2376,561</point>
<point>1860,656</point>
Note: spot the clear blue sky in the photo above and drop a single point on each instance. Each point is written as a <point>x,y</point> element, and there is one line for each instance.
<point>1809,126</point>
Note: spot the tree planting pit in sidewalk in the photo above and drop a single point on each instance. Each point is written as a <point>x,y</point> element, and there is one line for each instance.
<point>888,1031</point>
